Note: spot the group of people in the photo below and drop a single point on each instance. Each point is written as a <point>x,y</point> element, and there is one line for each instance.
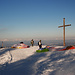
<point>39,43</point>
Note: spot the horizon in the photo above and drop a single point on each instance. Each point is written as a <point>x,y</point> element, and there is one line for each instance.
<point>14,40</point>
<point>44,42</point>
<point>36,19</point>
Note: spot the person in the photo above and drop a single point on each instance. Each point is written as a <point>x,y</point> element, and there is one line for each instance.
<point>40,44</point>
<point>32,42</point>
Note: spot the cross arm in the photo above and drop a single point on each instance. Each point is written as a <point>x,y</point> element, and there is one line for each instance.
<point>68,25</point>
<point>60,26</point>
<point>65,25</point>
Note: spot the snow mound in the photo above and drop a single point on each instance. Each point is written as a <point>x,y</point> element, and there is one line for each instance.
<point>29,62</point>
<point>5,58</point>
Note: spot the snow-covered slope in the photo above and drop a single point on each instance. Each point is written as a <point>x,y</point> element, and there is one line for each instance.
<point>28,62</point>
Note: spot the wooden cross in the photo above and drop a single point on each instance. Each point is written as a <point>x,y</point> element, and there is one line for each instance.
<point>64,30</point>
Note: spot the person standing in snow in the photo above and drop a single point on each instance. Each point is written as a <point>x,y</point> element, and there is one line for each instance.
<point>32,42</point>
<point>40,44</point>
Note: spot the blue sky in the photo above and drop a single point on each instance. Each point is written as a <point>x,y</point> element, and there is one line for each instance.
<point>36,19</point>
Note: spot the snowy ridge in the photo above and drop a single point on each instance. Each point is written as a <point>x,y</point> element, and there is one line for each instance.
<point>5,57</point>
<point>28,62</point>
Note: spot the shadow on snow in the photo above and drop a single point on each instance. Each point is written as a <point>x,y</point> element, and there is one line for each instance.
<point>28,67</point>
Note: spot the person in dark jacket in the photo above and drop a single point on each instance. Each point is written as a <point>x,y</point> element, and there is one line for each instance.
<point>40,44</point>
<point>32,42</point>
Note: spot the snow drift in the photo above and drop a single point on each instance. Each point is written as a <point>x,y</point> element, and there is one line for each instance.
<point>28,62</point>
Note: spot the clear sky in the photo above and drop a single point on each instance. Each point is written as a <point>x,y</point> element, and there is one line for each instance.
<point>36,19</point>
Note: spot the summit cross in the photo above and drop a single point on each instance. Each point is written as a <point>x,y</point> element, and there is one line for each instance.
<point>64,30</point>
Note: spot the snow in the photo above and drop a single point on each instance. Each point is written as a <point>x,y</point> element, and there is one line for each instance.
<point>28,62</point>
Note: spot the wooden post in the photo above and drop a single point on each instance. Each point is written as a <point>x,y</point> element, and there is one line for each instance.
<point>64,30</point>
<point>2,44</point>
